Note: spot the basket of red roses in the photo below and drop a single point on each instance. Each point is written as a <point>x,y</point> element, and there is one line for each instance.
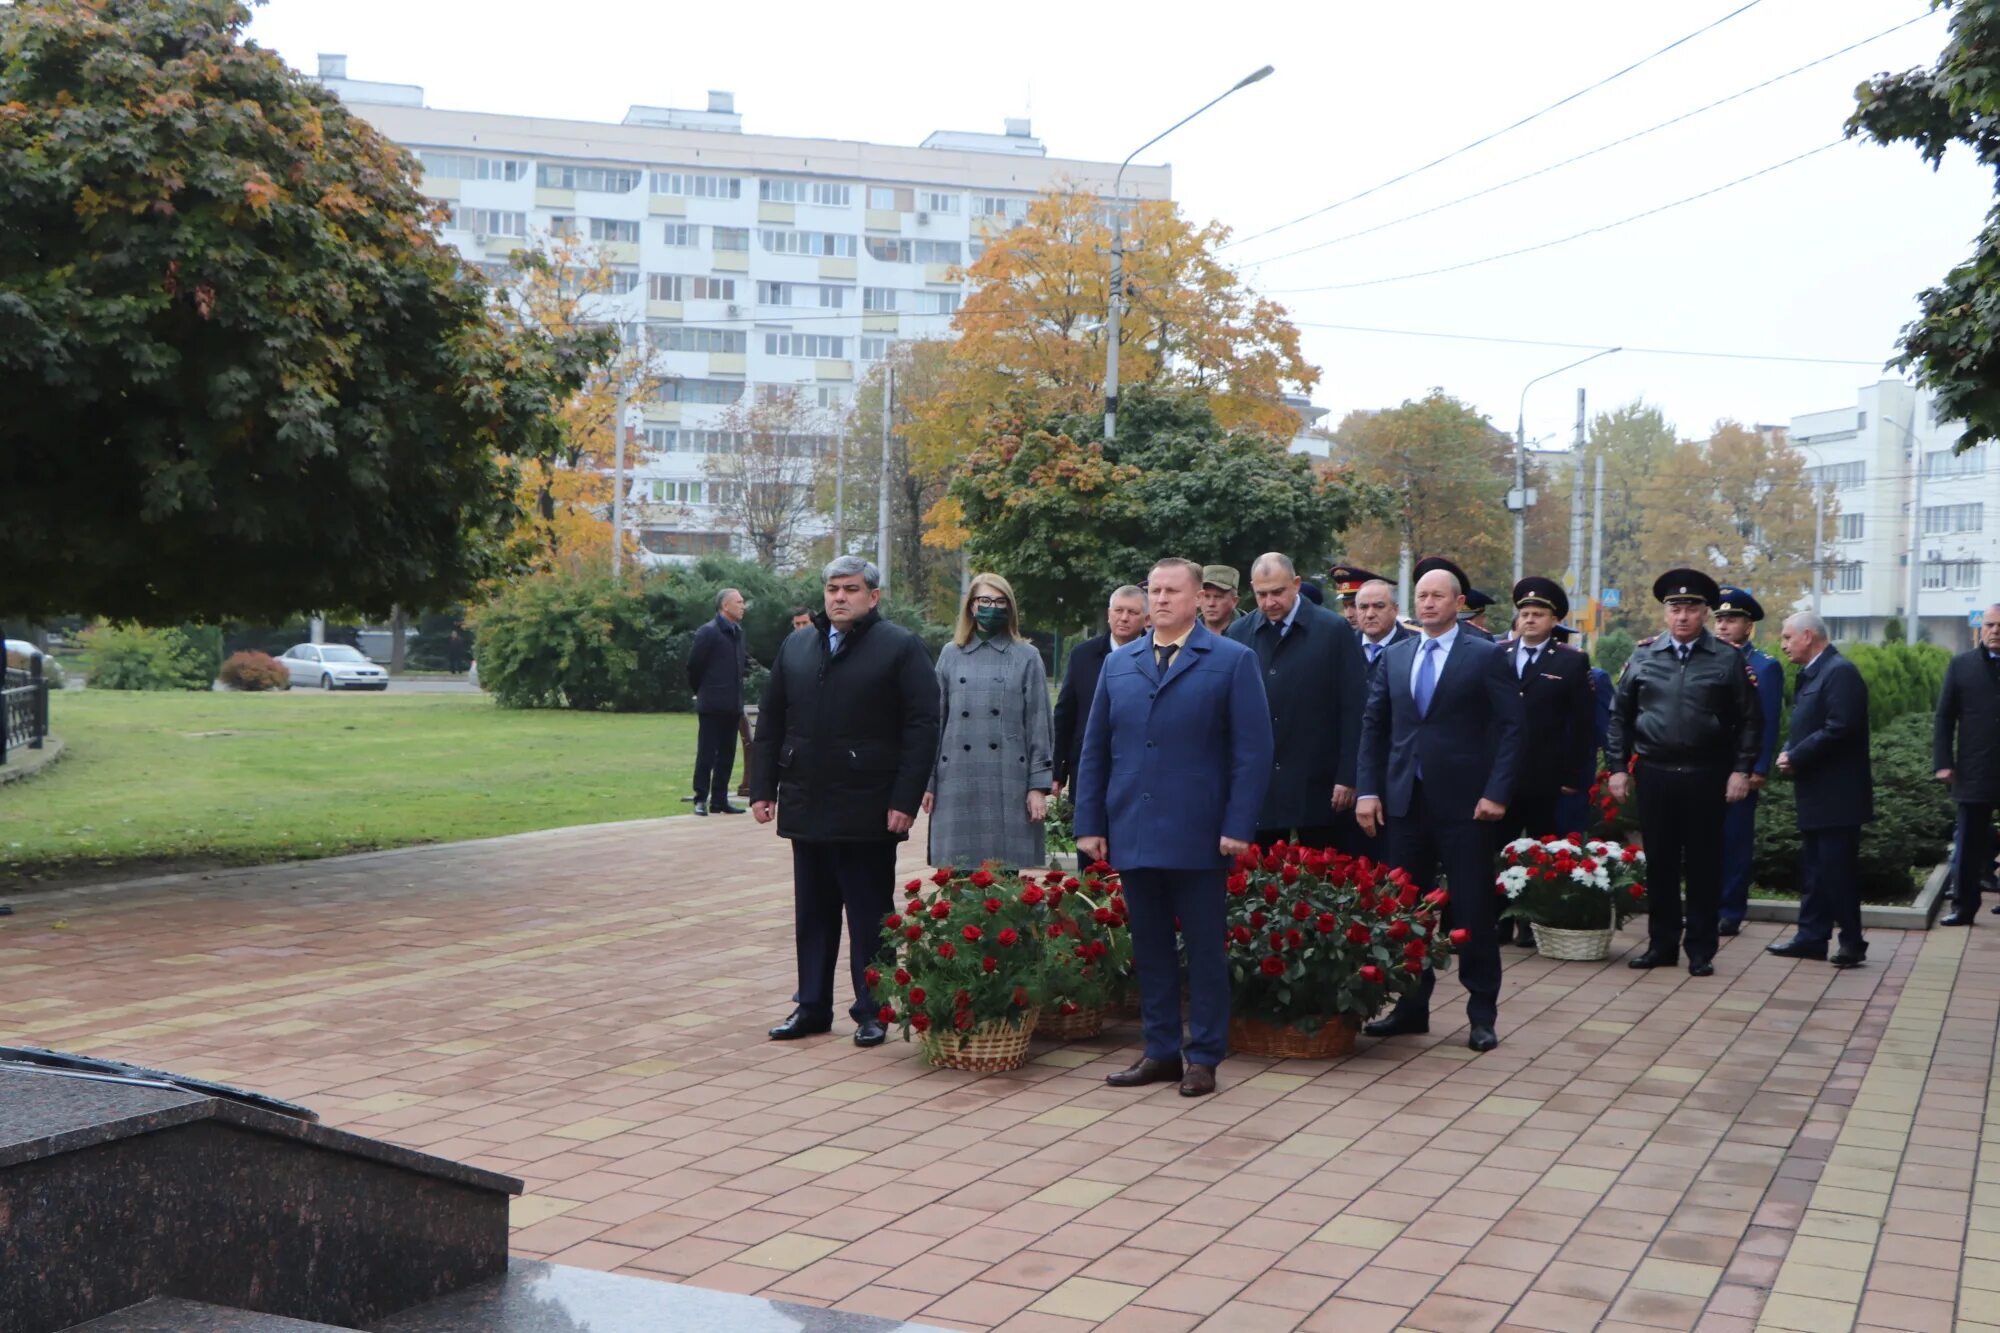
<point>1089,952</point>
<point>1575,893</point>
<point>1318,941</point>
<point>963,967</point>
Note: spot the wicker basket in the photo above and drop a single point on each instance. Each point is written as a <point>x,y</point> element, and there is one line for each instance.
<point>1253,1036</point>
<point>1059,1026</point>
<point>990,1048</point>
<point>1573,946</point>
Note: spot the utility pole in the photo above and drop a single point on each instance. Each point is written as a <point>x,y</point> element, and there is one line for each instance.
<point>840,492</point>
<point>1518,501</point>
<point>618,478</point>
<point>1916,523</point>
<point>1819,527</point>
<point>1597,553</point>
<point>882,490</point>
<point>1574,575</point>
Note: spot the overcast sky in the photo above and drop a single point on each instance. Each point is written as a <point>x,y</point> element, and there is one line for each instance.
<point>1820,259</point>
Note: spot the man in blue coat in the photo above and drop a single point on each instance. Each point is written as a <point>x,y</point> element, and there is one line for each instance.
<point>1175,760</point>
<point>1827,756</point>
<point>1736,618</point>
<point>1441,751</point>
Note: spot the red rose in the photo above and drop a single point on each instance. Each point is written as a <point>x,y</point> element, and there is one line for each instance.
<point>1102,916</point>
<point>913,907</point>
<point>1293,939</point>
<point>1413,966</point>
<point>943,875</point>
<point>961,1000</point>
<point>1416,949</point>
<point>981,879</point>
<point>921,1022</point>
<point>1007,937</point>
<point>973,934</point>
<point>1055,930</point>
<point>1409,896</point>
<point>1257,919</point>
<point>886,1014</point>
<point>1021,996</point>
<point>871,976</point>
<point>1240,934</point>
<point>1272,966</point>
<point>1118,908</point>
<point>947,950</point>
<point>993,904</point>
<point>916,995</point>
<point>940,910</point>
<point>1032,894</point>
<point>1239,884</point>
<point>1301,911</point>
<point>1437,897</point>
<point>1459,937</point>
<point>892,921</point>
<point>1291,874</point>
<point>914,933</point>
<point>1070,881</point>
<point>1100,868</point>
<point>1066,1009</point>
<point>1055,899</point>
<point>1271,894</point>
<point>902,976</point>
<point>1399,930</point>
<point>1327,924</point>
<point>913,886</point>
<point>1277,941</point>
<point>962,1020</point>
<point>1638,890</point>
<point>1094,885</point>
<point>989,964</point>
<point>1359,934</point>
<point>1372,975</point>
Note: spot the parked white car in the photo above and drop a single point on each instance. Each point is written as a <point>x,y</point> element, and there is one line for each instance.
<point>332,666</point>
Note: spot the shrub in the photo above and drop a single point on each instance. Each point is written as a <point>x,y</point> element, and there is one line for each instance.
<point>1913,818</point>
<point>255,671</point>
<point>132,657</point>
<point>1611,650</point>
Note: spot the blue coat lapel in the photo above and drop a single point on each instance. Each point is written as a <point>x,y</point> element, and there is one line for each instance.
<point>1200,639</point>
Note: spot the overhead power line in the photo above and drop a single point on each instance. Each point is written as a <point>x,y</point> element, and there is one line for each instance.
<point>1561,240</point>
<point>1504,130</point>
<point>1628,348</point>
<point>1593,152</point>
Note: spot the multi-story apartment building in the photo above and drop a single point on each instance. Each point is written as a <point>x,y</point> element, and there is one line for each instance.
<point>1883,460</point>
<point>743,263</point>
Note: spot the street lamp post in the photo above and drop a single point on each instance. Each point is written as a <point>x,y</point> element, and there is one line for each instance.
<point>1916,562</point>
<point>1518,501</point>
<point>1118,251</point>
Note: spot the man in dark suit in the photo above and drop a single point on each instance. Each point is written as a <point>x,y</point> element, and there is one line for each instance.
<point>717,662</point>
<point>1175,760</point>
<point>1827,756</point>
<point>1736,621</point>
<point>1373,599</point>
<point>1125,621</point>
<point>1965,748</point>
<point>847,737</point>
<point>1315,681</point>
<point>1471,617</point>
<point>1441,750</point>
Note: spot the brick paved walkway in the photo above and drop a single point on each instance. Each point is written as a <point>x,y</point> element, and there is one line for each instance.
<point>1780,1146</point>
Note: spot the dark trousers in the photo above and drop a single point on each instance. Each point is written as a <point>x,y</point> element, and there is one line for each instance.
<point>1424,843</point>
<point>1317,837</point>
<point>1574,815</point>
<point>714,755</point>
<point>1531,814</point>
<point>1831,860</point>
<point>1972,856</point>
<point>1680,814</point>
<point>829,880</point>
<point>1153,900</point>
<point>1739,845</point>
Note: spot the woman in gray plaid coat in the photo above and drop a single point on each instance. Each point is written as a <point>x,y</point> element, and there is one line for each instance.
<point>989,789</point>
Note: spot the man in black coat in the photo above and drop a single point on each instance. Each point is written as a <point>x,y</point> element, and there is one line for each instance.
<point>846,739</point>
<point>1965,749</point>
<point>1372,598</point>
<point>1827,756</point>
<point>1315,682</point>
<point>717,663</point>
<point>1556,694</point>
<point>1125,620</point>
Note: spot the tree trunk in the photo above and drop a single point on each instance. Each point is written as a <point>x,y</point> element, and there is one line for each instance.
<point>399,633</point>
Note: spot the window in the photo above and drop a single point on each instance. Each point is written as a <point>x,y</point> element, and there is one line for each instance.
<point>698,391</point>
<point>874,349</point>
<point>676,492</point>
<point>666,287</point>
<point>495,272</point>
<point>659,439</point>
<point>781,192</point>
<point>891,197</point>
<point>831,397</point>
<point>683,235</point>
<point>805,344</point>
<point>975,248</point>
<point>614,229</point>
<point>828,195</point>
<point>661,541</point>
<point>998,206</point>
<point>934,201</point>
<point>801,293</point>
<point>492,221</point>
<point>683,338</point>
<point>1936,574</point>
<point>1843,576</point>
<point>894,251</point>
<point>1949,463</point>
<point>1940,519</point>
<point>462,166</point>
<point>562,226</point>
<point>696,187</point>
<point>1852,527</point>
<point>682,287</point>
<point>935,303</point>
<point>624,281</point>
<point>878,298</point>
<point>711,289</point>
<point>1840,476</point>
<point>783,242</point>
<point>602,180</point>
<point>732,238</point>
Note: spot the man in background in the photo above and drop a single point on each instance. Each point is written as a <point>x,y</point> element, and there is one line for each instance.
<point>1125,620</point>
<point>718,660</point>
<point>802,617</point>
<point>1827,757</point>
<point>1736,619</point>
<point>1965,746</point>
<point>1219,593</point>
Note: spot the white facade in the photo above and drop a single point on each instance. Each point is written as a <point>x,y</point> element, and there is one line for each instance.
<point>747,259</point>
<point>1880,460</point>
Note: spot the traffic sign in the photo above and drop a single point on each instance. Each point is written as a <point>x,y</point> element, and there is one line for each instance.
<point>1612,598</point>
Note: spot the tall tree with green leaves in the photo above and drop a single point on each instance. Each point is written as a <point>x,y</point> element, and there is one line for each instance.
<point>239,372</point>
<point>1446,472</point>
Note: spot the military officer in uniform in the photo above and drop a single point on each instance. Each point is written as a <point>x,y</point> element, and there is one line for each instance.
<point>1555,697</point>
<point>1346,581</point>
<point>1473,617</point>
<point>1687,713</point>
<point>1735,619</point>
<point>1220,587</point>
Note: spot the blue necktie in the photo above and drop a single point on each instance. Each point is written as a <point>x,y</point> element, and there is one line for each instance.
<point>1374,651</point>
<point>1427,678</point>
<point>833,638</point>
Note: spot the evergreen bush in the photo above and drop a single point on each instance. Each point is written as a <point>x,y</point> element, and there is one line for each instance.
<point>134,657</point>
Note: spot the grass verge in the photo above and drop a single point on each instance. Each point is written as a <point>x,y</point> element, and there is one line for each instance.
<point>158,782</point>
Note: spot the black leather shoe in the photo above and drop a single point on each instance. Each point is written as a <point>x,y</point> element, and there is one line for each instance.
<point>701,807</point>
<point>1482,1039</point>
<point>1850,957</point>
<point>1700,967</point>
<point>800,1026</point>
<point>1503,931</point>
<point>870,1032</point>
<point>725,808</point>
<point>1146,1070</point>
<point>1797,948</point>
<point>1199,1081</point>
<point>1959,917</point>
<point>1524,935</point>
<point>1392,1026</point>
<point>1728,928</point>
<point>1652,958</point>
<point>1996,909</point>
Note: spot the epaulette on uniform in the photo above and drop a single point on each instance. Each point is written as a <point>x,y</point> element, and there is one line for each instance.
<point>1646,642</point>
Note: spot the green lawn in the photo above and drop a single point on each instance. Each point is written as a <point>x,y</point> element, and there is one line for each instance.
<point>155,780</point>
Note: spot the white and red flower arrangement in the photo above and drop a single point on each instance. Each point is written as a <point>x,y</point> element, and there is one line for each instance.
<point>1571,884</point>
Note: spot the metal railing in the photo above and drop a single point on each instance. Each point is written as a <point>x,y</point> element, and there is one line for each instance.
<point>24,708</point>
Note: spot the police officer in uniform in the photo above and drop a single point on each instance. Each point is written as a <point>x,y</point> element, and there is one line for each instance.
<point>1346,581</point>
<point>1473,617</point>
<point>1735,616</point>
<point>1688,713</point>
